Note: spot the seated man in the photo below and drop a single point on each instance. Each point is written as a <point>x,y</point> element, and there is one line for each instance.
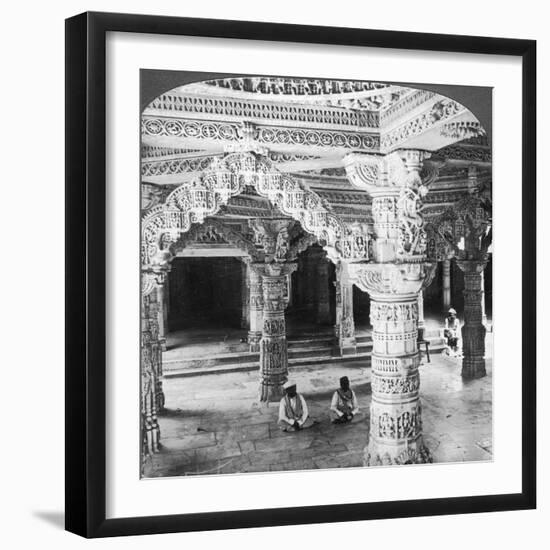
<point>293,413</point>
<point>343,406</point>
<point>451,332</point>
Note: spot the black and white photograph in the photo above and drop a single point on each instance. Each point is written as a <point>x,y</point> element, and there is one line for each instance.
<point>317,274</point>
<point>275,275</point>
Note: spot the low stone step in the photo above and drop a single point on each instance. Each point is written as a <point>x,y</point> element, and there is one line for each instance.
<point>293,363</point>
<point>213,360</point>
<point>252,366</point>
<point>245,361</point>
<point>324,341</point>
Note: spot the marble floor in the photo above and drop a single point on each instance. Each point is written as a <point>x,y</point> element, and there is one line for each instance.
<point>213,424</point>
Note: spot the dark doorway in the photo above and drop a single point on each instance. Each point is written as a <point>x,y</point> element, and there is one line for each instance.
<point>205,292</point>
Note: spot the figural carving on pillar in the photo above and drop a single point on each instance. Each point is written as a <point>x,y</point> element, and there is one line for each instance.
<point>274,274</point>
<point>394,281</point>
<point>396,188</point>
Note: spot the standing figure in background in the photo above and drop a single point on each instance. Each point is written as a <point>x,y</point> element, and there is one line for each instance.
<point>343,406</point>
<point>451,333</point>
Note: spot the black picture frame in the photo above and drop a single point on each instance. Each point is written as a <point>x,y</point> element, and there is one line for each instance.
<point>86,275</point>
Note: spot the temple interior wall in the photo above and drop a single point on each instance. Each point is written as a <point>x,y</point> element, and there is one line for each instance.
<point>205,291</point>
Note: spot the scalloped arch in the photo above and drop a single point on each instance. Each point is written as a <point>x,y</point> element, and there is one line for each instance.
<point>227,177</point>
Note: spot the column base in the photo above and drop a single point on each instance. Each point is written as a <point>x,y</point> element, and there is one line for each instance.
<point>412,452</point>
<point>254,338</point>
<point>473,367</point>
<point>271,392</point>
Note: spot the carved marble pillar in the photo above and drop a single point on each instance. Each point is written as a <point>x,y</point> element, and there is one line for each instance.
<point>256,303</point>
<point>152,398</point>
<point>394,280</point>
<point>323,303</point>
<point>273,235</point>
<point>446,284</point>
<point>245,295</point>
<point>273,345</point>
<point>395,435</point>
<point>344,311</point>
<point>473,330</point>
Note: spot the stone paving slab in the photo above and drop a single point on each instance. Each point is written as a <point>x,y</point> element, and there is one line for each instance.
<point>227,431</point>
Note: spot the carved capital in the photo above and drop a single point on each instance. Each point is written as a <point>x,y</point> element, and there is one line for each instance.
<point>274,269</point>
<point>381,280</point>
<point>472,267</point>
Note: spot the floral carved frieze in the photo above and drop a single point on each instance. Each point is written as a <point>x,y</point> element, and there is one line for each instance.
<point>162,127</point>
<point>164,167</point>
<point>465,153</point>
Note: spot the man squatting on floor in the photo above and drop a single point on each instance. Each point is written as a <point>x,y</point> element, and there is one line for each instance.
<point>343,406</point>
<point>294,414</point>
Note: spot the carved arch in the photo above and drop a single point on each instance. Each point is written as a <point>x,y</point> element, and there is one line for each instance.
<point>227,177</point>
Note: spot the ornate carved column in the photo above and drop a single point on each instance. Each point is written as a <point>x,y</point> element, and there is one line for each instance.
<point>344,311</point>
<point>473,330</point>
<point>256,301</point>
<point>466,226</point>
<point>395,435</point>
<point>323,305</point>
<point>394,280</point>
<point>446,284</point>
<point>152,396</point>
<point>273,344</point>
<point>274,273</point>
<point>245,296</point>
